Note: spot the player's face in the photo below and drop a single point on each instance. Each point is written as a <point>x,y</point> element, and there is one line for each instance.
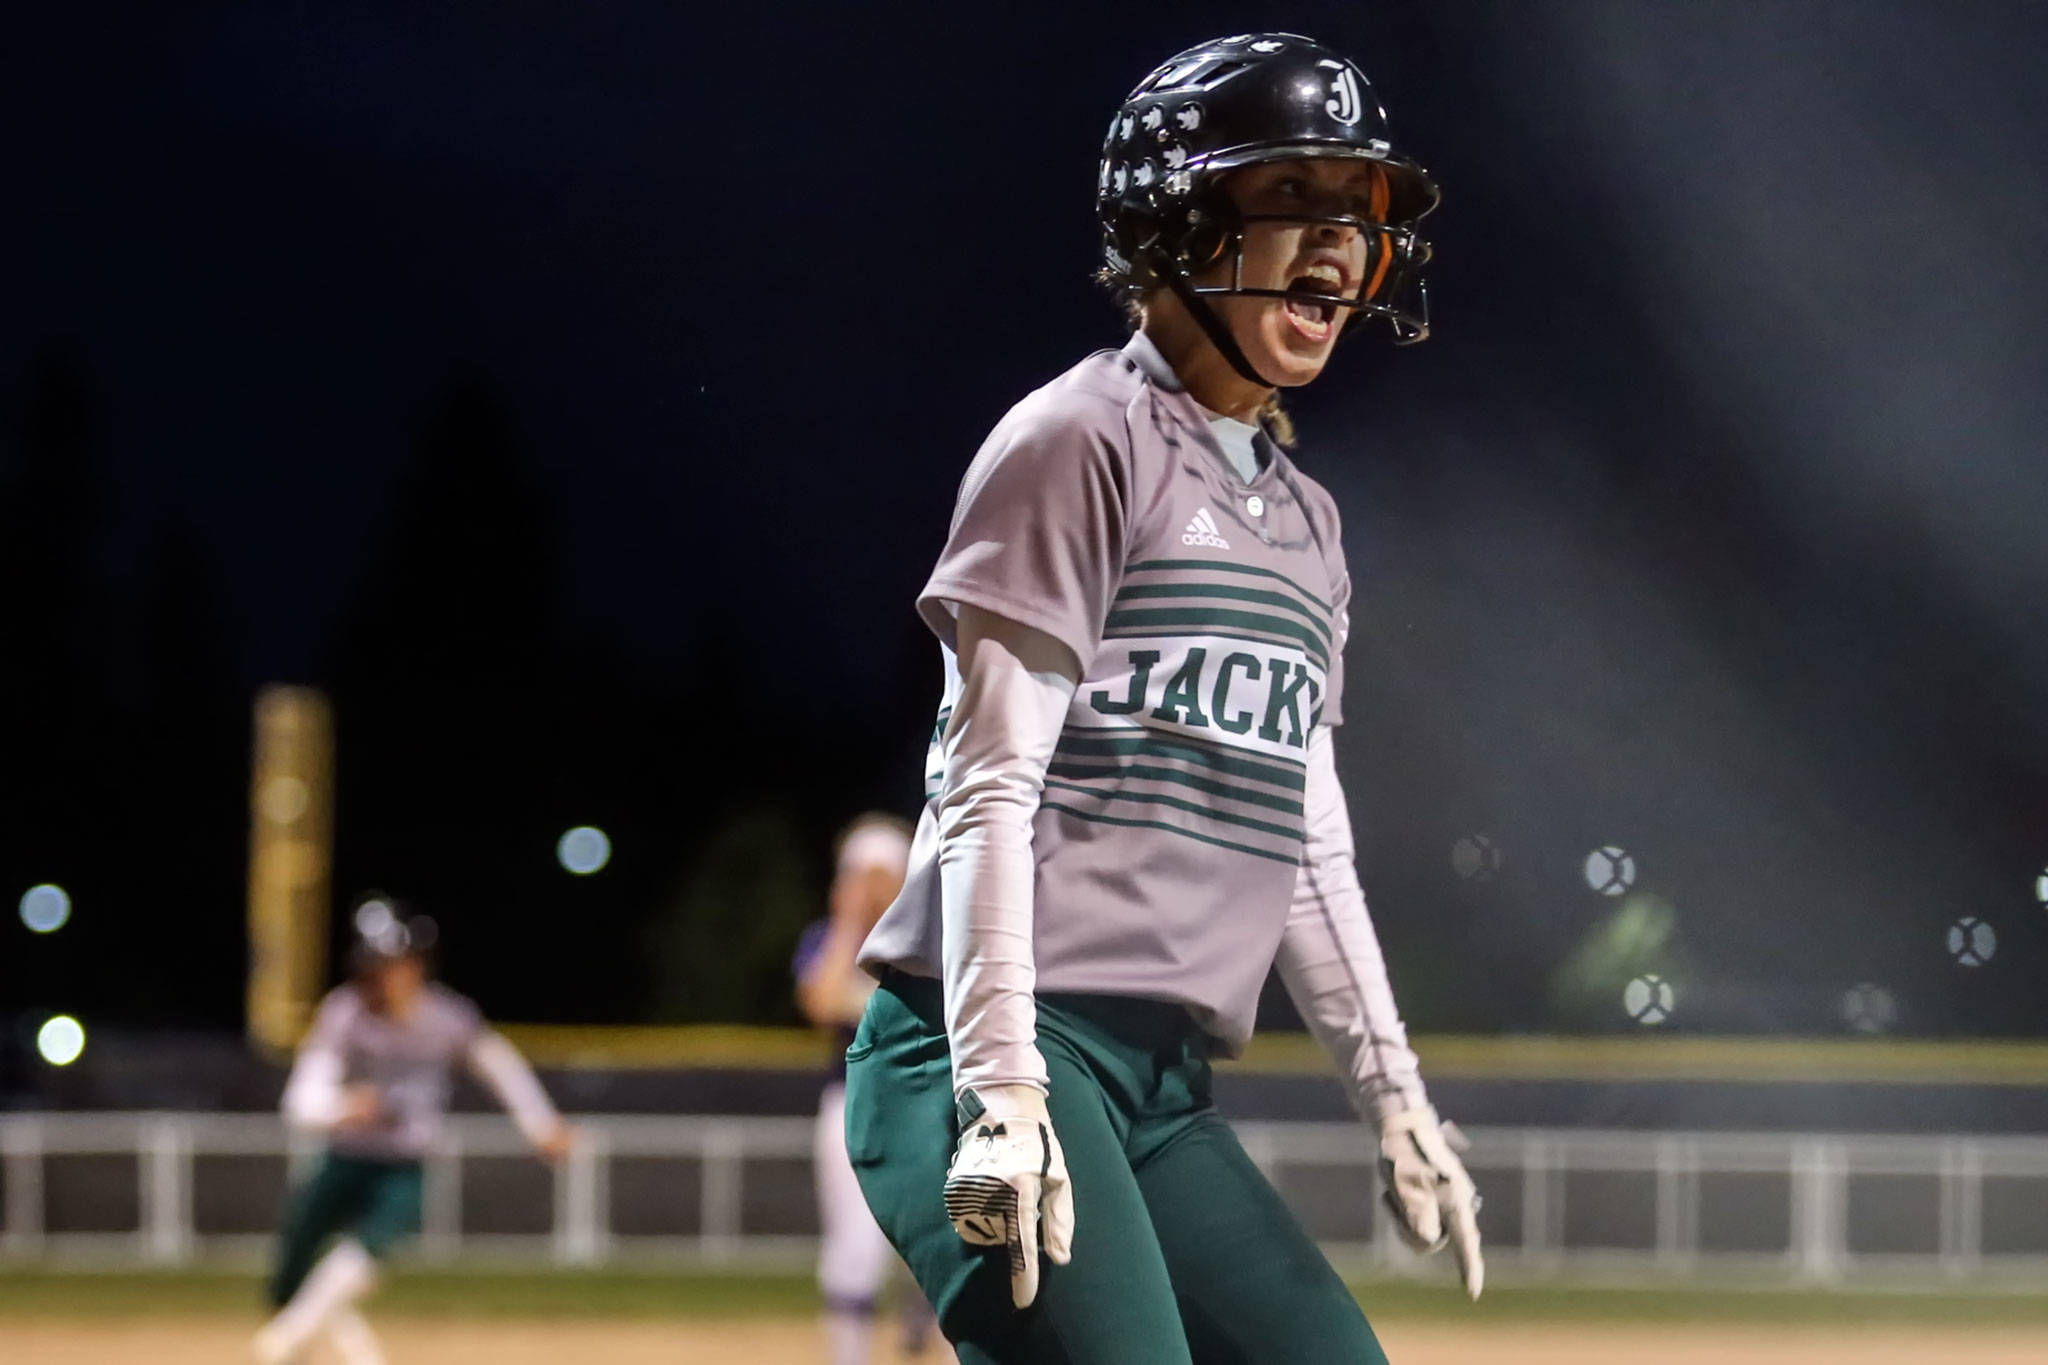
<point>1286,340</point>
<point>395,986</point>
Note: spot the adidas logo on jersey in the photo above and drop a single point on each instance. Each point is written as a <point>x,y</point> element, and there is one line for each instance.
<point>1202,531</point>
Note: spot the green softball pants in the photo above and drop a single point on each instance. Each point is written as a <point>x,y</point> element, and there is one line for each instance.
<point>1183,1253</point>
<point>376,1202</point>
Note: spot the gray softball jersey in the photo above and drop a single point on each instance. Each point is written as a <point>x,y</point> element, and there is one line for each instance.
<point>410,1062</point>
<point>1209,615</point>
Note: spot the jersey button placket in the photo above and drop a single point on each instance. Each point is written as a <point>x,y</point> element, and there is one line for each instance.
<point>1255,508</point>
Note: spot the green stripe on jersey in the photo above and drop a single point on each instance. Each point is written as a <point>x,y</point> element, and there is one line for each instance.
<point>1194,619</point>
<point>1291,860</point>
<point>1147,773</point>
<point>1169,565</point>
<point>1212,634</point>
<point>1081,743</point>
<point>1162,799</point>
<point>1268,599</point>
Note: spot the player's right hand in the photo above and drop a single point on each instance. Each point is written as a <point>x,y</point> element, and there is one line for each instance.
<point>1007,1185</point>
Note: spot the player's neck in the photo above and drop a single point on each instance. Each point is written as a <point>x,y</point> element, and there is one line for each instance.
<point>399,1008</point>
<point>1209,379</point>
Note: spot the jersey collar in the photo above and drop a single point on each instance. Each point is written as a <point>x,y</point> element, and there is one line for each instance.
<point>1140,351</point>
<point>1145,357</point>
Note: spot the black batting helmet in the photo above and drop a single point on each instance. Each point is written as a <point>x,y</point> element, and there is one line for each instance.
<point>1240,101</point>
<point>386,929</point>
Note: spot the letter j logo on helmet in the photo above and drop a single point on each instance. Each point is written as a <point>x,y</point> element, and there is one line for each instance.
<point>1344,104</point>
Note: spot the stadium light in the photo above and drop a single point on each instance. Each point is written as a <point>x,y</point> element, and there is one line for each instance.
<point>45,909</point>
<point>1869,1008</point>
<point>1649,1000</point>
<point>1475,858</point>
<point>61,1039</point>
<point>2041,889</point>
<point>1610,870</point>
<point>1971,942</point>
<point>583,850</point>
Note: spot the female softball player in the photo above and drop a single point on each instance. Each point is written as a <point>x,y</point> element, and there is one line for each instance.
<point>854,1259</point>
<point>1142,606</point>
<point>373,1077</point>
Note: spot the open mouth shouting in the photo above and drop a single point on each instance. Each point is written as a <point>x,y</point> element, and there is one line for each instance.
<point>1316,294</point>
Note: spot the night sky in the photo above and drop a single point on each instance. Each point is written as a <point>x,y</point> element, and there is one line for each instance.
<point>580,394</point>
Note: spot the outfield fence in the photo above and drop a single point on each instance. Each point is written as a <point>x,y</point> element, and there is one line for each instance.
<point>172,1189</point>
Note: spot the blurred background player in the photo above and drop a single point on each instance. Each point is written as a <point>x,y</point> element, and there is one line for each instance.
<point>854,1258</point>
<point>374,1076</point>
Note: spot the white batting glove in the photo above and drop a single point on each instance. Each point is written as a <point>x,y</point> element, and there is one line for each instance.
<point>1007,1186</point>
<point>1431,1197</point>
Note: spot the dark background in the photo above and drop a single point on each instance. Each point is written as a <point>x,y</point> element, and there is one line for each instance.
<point>579,393</point>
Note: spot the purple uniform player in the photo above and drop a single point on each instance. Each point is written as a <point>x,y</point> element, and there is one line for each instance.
<point>854,1259</point>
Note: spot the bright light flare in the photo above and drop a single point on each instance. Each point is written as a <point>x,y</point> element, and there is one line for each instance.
<point>60,1040</point>
<point>1869,1008</point>
<point>584,850</point>
<point>284,799</point>
<point>375,918</point>
<point>45,909</point>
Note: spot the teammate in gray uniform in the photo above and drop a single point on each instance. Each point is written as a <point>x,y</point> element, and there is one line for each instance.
<point>1142,606</point>
<point>373,1076</point>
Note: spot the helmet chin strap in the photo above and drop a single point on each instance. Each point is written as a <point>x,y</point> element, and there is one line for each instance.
<point>1212,326</point>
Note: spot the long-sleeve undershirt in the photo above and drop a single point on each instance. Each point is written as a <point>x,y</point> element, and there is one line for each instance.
<point>997,746</point>
<point>497,1063</point>
<point>315,1095</point>
<point>1330,957</point>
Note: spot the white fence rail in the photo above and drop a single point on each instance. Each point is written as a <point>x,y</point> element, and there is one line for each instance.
<point>168,1189</point>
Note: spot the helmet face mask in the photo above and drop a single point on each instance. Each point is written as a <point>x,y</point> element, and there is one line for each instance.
<point>1390,287</point>
<point>1239,102</point>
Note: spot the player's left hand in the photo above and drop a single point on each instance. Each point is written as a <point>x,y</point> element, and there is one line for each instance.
<point>1431,1197</point>
<point>557,1144</point>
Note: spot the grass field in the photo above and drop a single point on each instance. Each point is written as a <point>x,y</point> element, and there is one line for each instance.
<point>470,1318</point>
<point>426,1294</point>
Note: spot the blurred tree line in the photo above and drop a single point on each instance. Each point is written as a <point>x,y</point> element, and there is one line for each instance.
<point>475,723</point>
<point>478,718</point>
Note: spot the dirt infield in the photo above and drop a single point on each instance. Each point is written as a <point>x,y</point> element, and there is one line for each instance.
<point>773,1342</point>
